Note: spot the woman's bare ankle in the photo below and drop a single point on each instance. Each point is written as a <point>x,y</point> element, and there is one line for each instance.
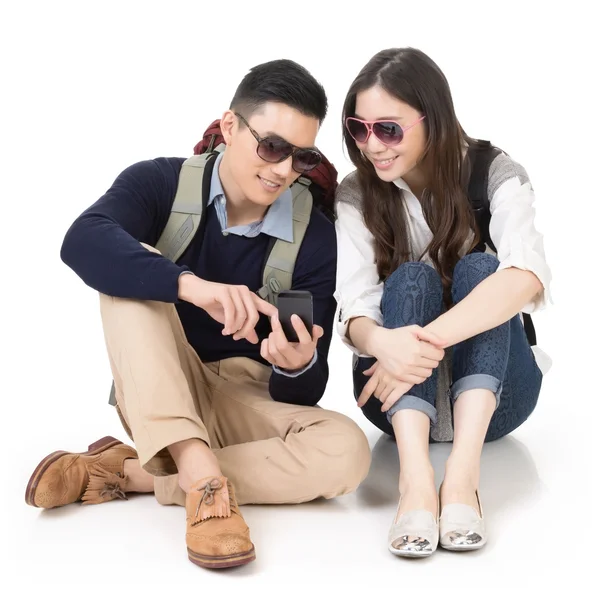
<point>421,475</point>
<point>461,481</point>
<point>417,490</point>
<point>462,471</point>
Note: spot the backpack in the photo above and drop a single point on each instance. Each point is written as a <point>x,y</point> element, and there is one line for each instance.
<point>314,189</point>
<point>481,155</point>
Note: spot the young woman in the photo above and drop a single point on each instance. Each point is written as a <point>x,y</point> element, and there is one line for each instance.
<point>432,298</point>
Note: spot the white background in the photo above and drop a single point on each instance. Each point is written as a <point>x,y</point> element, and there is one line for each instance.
<point>89,88</point>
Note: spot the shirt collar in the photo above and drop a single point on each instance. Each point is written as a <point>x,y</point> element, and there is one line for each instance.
<point>411,201</point>
<point>402,184</point>
<point>279,220</point>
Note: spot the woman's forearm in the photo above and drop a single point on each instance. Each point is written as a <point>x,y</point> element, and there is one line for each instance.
<point>361,332</point>
<point>494,301</point>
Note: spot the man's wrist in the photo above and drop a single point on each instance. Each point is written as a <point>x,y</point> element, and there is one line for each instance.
<point>299,370</point>
<point>185,280</point>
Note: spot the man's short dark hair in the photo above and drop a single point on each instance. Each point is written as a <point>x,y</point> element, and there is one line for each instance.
<point>283,81</point>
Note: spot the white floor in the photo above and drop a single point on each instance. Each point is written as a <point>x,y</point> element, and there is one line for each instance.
<point>533,493</point>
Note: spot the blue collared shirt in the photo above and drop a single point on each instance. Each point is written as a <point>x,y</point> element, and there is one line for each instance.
<point>278,222</point>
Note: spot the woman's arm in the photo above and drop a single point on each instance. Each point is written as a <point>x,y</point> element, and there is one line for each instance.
<point>494,301</point>
<point>358,288</point>
<point>522,281</point>
<point>404,351</point>
<point>361,334</point>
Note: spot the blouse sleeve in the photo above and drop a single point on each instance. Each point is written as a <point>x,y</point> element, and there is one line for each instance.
<point>512,225</point>
<point>359,289</point>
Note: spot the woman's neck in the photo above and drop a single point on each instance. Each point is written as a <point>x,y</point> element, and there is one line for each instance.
<point>416,181</point>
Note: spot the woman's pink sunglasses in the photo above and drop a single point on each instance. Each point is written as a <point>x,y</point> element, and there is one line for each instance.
<point>388,133</point>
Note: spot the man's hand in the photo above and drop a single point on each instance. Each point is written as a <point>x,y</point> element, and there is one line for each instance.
<point>234,306</point>
<point>288,355</point>
<point>384,386</point>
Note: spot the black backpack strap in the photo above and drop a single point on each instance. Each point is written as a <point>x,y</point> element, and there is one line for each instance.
<point>529,329</point>
<point>481,156</point>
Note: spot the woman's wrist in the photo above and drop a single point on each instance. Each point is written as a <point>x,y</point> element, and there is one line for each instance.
<point>364,334</point>
<point>373,339</point>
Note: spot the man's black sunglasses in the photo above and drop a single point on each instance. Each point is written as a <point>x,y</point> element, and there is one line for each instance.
<point>274,149</point>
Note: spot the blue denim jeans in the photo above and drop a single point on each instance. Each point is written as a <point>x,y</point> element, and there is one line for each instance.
<point>499,360</point>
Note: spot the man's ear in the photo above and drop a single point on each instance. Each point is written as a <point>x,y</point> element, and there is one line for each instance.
<point>228,125</point>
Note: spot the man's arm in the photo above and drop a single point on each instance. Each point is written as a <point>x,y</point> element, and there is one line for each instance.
<point>103,246</point>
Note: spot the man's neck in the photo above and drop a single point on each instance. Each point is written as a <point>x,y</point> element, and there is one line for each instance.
<point>240,210</point>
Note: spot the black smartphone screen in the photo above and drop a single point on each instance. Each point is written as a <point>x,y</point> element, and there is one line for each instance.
<point>295,302</point>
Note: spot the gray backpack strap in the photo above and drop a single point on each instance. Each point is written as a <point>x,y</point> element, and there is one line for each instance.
<point>186,213</point>
<point>279,267</point>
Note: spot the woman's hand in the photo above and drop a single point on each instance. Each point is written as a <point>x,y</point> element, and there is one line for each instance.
<point>408,354</point>
<point>386,388</point>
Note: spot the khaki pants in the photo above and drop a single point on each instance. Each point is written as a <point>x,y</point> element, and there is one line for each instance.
<point>272,452</point>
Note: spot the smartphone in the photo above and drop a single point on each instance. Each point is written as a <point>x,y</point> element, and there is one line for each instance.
<point>295,302</point>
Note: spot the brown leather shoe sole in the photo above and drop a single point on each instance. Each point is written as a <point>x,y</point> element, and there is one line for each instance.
<point>96,448</point>
<point>222,562</point>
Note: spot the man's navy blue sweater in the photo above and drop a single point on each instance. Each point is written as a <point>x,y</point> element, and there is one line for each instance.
<point>103,248</point>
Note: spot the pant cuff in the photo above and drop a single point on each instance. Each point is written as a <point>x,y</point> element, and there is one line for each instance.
<point>477,382</point>
<point>167,491</point>
<point>156,459</point>
<point>416,404</point>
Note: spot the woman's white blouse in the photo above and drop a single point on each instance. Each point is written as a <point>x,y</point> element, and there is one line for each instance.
<point>512,229</point>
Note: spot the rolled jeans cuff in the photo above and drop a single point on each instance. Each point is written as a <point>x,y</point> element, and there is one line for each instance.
<point>416,404</point>
<point>477,382</point>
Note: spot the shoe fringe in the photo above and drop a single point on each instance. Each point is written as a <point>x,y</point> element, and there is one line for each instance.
<point>214,501</point>
<point>104,486</point>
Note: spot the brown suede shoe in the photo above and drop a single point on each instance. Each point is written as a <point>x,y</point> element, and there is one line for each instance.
<point>217,535</point>
<point>94,476</point>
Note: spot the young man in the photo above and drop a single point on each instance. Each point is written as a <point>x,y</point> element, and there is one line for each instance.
<point>217,401</point>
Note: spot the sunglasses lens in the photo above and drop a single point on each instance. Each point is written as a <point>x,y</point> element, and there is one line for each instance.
<point>388,132</point>
<point>274,149</point>
<point>306,160</point>
<point>359,131</point>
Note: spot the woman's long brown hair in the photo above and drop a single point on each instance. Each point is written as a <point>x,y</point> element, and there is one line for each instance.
<point>412,77</point>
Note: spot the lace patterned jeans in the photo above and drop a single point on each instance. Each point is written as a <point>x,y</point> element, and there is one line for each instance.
<point>499,360</point>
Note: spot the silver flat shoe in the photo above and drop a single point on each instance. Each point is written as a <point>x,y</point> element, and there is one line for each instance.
<point>462,528</point>
<point>414,534</point>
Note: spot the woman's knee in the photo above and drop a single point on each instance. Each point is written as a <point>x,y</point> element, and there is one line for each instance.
<point>470,271</point>
<point>412,294</point>
<point>411,273</point>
